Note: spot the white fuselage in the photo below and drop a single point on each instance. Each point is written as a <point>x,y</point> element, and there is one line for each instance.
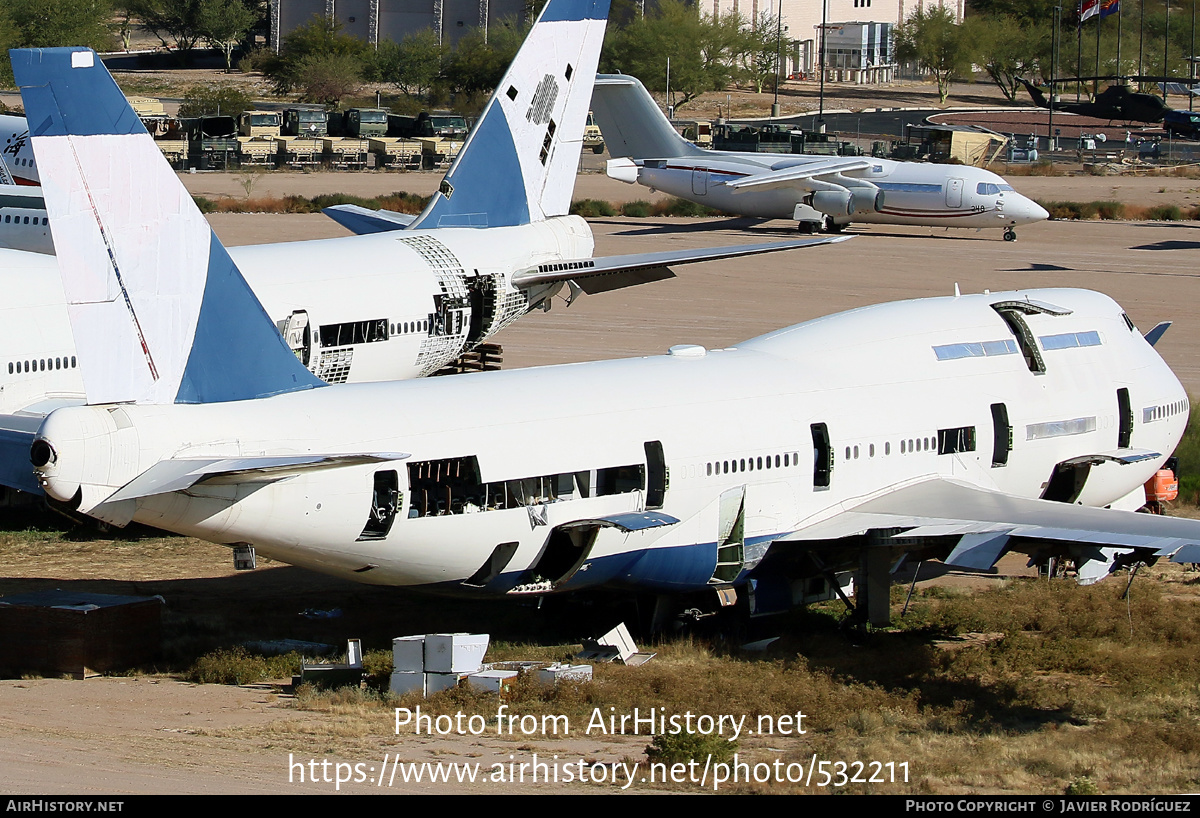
<point>497,462</point>
<point>385,306</point>
<point>913,192</point>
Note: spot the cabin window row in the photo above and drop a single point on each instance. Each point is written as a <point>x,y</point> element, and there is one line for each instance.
<point>366,332</point>
<point>405,327</point>
<point>758,463</point>
<point>1070,340</point>
<point>1151,413</point>
<point>453,486</point>
<point>41,365</point>
<point>17,220</point>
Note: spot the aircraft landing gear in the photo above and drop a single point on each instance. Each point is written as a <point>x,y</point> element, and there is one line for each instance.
<point>807,228</point>
<point>1010,234</point>
<point>834,227</point>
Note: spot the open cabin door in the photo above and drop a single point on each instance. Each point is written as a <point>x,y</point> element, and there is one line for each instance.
<point>297,335</point>
<point>731,536</point>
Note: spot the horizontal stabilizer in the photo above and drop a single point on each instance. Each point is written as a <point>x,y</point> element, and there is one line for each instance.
<point>361,221</point>
<point>591,274</point>
<point>788,177</point>
<point>984,519</point>
<point>176,475</point>
<point>17,433</point>
<point>1152,337</point>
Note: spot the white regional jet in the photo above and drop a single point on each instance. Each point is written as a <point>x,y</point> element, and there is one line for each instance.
<point>958,427</point>
<point>495,243</point>
<point>827,192</point>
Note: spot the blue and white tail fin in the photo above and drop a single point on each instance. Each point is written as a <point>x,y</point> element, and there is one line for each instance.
<point>632,123</point>
<point>159,311</point>
<point>519,163</point>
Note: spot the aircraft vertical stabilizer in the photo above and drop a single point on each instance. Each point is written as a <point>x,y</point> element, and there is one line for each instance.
<point>519,163</point>
<point>632,123</point>
<point>159,311</point>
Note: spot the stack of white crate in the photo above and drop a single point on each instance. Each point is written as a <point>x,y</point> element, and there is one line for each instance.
<point>434,662</point>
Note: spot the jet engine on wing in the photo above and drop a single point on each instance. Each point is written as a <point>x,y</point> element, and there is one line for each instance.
<point>833,202</point>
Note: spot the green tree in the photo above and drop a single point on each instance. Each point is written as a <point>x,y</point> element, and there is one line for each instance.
<point>706,53</point>
<point>176,23</point>
<point>1006,50</point>
<point>50,23</point>
<point>224,23</point>
<point>413,65</point>
<point>762,48</point>
<point>931,39</point>
<point>318,37</point>
<point>202,100</point>
<point>477,65</point>
<point>327,78</point>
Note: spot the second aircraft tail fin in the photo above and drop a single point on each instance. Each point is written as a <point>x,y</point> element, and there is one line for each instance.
<point>632,123</point>
<point>519,163</point>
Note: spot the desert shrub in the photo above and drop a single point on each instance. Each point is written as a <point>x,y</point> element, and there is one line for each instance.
<point>637,210</point>
<point>237,666</point>
<point>592,208</point>
<point>683,747</point>
<point>1166,213</point>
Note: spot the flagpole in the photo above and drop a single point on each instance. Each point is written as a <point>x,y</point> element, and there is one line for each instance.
<point>1166,45</point>
<point>1078,50</point>
<point>1119,71</point>
<point>1099,20</point>
<point>1141,30</point>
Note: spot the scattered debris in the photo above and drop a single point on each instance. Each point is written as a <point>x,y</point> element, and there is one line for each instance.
<point>327,676</point>
<point>614,645</point>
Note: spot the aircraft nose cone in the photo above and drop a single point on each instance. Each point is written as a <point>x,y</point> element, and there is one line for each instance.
<point>1027,211</point>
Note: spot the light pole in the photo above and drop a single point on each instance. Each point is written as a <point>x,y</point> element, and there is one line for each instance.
<point>1054,39</point>
<point>778,58</point>
<point>821,63</point>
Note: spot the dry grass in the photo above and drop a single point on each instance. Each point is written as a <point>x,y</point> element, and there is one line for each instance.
<point>1070,686</point>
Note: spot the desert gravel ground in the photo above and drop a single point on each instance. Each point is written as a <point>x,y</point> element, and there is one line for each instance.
<point>148,735</point>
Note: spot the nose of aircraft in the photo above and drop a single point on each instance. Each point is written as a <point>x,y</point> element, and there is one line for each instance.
<point>1024,211</point>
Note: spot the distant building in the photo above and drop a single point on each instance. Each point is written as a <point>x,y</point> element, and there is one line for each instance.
<point>858,42</point>
<point>378,20</point>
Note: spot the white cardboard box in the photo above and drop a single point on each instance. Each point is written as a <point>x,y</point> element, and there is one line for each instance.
<point>403,682</point>
<point>492,680</point>
<point>408,654</point>
<point>455,652</point>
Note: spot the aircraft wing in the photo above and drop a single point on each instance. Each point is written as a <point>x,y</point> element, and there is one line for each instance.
<point>798,174</point>
<point>598,275</point>
<point>988,523</point>
<point>182,473</point>
<point>360,220</point>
